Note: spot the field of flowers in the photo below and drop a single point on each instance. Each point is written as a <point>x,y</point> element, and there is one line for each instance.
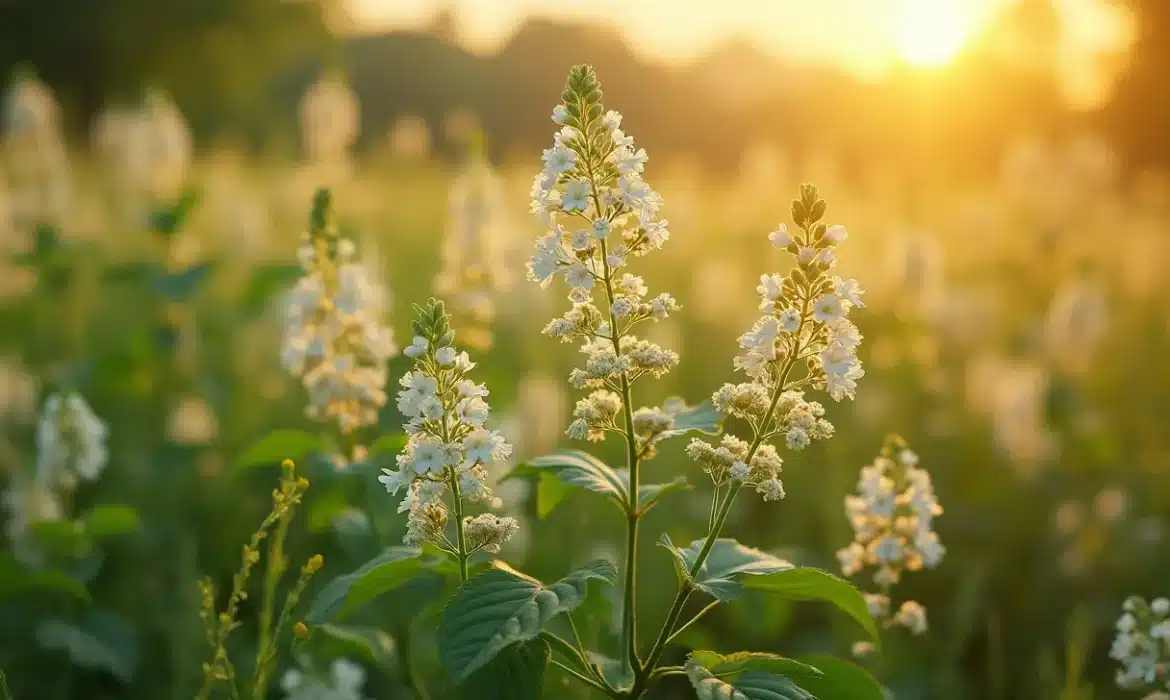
<point>196,346</point>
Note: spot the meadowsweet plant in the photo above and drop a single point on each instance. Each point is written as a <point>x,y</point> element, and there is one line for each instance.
<point>501,629</point>
<point>1142,646</point>
<point>335,339</point>
<point>71,447</point>
<point>449,448</point>
<point>892,517</point>
<point>472,273</point>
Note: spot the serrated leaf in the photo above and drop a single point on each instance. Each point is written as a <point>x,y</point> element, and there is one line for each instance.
<point>728,564</point>
<point>371,643</point>
<point>390,569</point>
<point>550,491</point>
<point>807,583</point>
<point>648,494</point>
<point>749,685</point>
<point>841,680</point>
<point>730,666</point>
<point>502,607</point>
<point>101,641</point>
<point>580,469</point>
<point>280,445</point>
<point>112,520</point>
<point>702,418</point>
<point>516,673</point>
<point>15,579</point>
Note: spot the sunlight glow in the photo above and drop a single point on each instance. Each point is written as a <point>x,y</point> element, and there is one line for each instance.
<point>931,32</point>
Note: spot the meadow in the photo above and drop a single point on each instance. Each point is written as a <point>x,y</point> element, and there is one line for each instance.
<point>1012,330</point>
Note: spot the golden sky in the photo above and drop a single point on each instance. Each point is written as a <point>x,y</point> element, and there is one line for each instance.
<point>865,37</point>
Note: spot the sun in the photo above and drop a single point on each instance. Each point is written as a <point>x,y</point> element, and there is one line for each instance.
<point>930,33</point>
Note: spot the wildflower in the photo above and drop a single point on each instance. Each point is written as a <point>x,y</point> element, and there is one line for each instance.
<point>472,272</point>
<point>71,441</point>
<point>334,337</point>
<point>1142,645</point>
<point>448,449</point>
<point>804,324</point>
<point>330,120</point>
<point>600,212</point>
<point>38,171</point>
<point>892,517</point>
<point>343,682</point>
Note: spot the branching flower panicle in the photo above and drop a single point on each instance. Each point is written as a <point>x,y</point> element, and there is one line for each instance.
<point>805,323</point>
<point>37,159</point>
<point>600,213</point>
<point>449,448</point>
<point>1142,645</point>
<point>892,517</point>
<point>472,272</point>
<point>335,339</point>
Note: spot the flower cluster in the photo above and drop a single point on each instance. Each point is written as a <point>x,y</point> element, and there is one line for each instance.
<point>71,446</point>
<point>71,441</point>
<point>804,324</point>
<point>600,213</point>
<point>344,682</point>
<point>1142,645</point>
<point>148,148</point>
<point>449,449</point>
<point>472,272</point>
<point>334,337</point>
<point>330,119</point>
<point>37,160</point>
<point>892,518</point>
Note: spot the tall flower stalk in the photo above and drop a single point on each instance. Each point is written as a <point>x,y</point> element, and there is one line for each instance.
<point>804,329</point>
<point>449,449</point>
<point>601,214</point>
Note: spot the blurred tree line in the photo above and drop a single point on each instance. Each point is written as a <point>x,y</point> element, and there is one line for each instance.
<point>239,66</point>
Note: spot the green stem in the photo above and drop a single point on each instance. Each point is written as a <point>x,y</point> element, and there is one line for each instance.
<point>710,606</point>
<point>272,575</point>
<point>461,538</point>
<point>642,679</point>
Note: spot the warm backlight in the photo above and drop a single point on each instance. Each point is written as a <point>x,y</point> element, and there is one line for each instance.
<point>931,32</point>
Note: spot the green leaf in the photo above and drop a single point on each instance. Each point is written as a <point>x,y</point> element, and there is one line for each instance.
<point>112,520</point>
<point>550,491</point>
<point>169,219</point>
<point>502,607</point>
<point>392,442</point>
<point>840,680</point>
<point>694,419</point>
<point>580,469</point>
<point>728,564</point>
<point>325,508</point>
<point>516,673</point>
<point>181,285</point>
<point>65,538</point>
<point>15,580</point>
<point>613,670</point>
<point>390,569</point>
<point>280,445</point>
<point>730,666</point>
<point>266,282</point>
<point>742,680</point>
<point>648,494</point>
<point>370,643</point>
<point>807,583</point>
<point>100,640</point>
